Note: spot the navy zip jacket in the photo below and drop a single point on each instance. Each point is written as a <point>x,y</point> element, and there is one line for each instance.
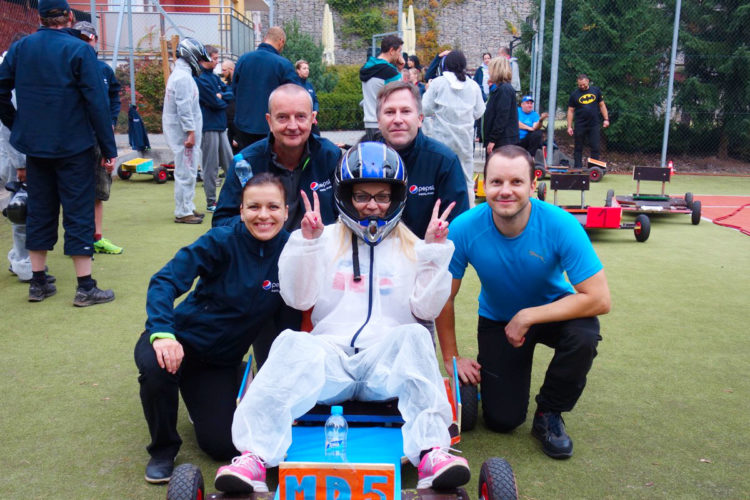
<point>113,90</point>
<point>62,100</point>
<point>500,121</point>
<point>315,173</point>
<point>213,109</point>
<point>433,171</point>
<point>256,75</point>
<point>237,292</point>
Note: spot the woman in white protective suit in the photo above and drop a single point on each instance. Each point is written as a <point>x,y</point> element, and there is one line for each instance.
<point>182,124</point>
<point>369,278</point>
<point>454,102</point>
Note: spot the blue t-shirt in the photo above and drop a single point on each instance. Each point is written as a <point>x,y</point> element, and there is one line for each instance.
<point>525,271</point>
<point>528,119</point>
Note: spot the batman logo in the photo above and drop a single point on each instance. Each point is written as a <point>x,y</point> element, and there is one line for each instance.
<point>587,98</point>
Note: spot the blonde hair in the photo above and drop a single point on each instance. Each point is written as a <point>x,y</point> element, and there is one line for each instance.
<point>403,233</point>
<point>499,70</point>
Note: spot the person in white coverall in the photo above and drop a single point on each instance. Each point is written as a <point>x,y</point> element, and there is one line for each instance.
<point>369,278</point>
<point>182,124</point>
<point>455,102</point>
<point>19,262</point>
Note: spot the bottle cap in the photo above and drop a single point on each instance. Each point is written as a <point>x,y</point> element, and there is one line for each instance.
<point>238,157</point>
<point>337,410</point>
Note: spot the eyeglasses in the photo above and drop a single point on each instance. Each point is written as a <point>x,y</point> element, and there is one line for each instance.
<point>380,198</point>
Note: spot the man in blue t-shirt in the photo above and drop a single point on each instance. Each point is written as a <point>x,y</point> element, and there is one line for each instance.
<point>521,249</point>
<point>530,125</point>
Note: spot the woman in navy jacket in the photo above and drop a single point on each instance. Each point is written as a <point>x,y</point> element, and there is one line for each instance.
<point>197,347</point>
<point>500,125</point>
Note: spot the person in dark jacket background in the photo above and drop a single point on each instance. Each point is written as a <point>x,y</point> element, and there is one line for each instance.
<point>256,75</point>
<point>500,125</point>
<point>62,114</point>
<point>196,348</point>
<point>214,97</point>
<point>302,68</point>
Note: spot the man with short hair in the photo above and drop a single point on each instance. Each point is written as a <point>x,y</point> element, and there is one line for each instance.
<point>515,79</point>
<point>530,125</point>
<point>434,171</point>
<point>303,162</point>
<point>103,178</point>
<point>227,73</point>
<point>522,250</point>
<point>256,75</point>
<point>302,68</point>
<point>62,103</point>
<point>377,72</point>
<point>584,106</point>
<point>214,97</point>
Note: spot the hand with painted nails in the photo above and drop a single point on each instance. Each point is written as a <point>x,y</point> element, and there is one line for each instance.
<point>312,222</point>
<point>437,230</point>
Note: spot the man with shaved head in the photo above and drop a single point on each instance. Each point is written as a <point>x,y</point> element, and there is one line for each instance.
<point>256,75</point>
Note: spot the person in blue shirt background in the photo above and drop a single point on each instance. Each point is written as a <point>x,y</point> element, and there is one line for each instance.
<point>522,250</point>
<point>530,125</point>
<point>196,348</point>
<point>214,98</point>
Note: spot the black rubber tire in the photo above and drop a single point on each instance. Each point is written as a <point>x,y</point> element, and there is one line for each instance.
<point>541,191</point>
<point>469,406</point>
<point>540,172</point>
<point>695,217</point>
<point>595,174</point>
<point>186,483</point>
<point>497,481</point>
<point>123,174</point>
<point>160,175</point>
<point>689,199</point>
<point>642,228</point>
<point>610,197</point>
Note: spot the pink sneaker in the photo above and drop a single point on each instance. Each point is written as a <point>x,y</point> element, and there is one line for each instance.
<point>246,474</point>
<point>439,469</point>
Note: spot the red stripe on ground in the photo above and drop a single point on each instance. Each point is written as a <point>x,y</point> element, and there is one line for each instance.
<point>727,211</point>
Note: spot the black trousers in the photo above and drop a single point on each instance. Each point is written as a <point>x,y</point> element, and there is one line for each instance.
<point>506,370</point>
<point>209,392</point>
<point>532,141</point>
<point>580,135</point>
<point>244,139</point>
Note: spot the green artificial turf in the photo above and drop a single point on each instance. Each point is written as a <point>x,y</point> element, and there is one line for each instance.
<point>664,414</point>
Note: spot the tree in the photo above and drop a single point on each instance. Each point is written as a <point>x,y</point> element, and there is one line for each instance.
<point>302,46</point>
<point>716,91</point>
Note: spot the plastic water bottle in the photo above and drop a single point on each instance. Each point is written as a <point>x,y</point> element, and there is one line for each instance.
<point>242,169</point>
<point>336,431</point>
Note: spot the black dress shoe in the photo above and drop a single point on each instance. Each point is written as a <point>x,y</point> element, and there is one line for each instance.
<point>549,428</point>
<point>159,470</point>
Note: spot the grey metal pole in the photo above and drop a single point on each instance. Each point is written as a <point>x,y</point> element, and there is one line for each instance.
<point>92,6</point>
<point>118,33</point>
<point>400,27</point>
<point>271,13</point>
<point>553,78</point>
<point>130,42</point>
<point>532,73</point>
<point>540,58</point>
<point>668,110</point>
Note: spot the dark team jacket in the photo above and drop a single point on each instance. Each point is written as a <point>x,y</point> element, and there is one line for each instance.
<point>315,173</point>
<point>61,96</point>
<point>433,171</point>
<point>310,90</point>
<point>500,122</point>
<point>236,293</point>
<point>113,90</point>
<point>586,104</point>
<point>256,75</point>
<point>213,109</point>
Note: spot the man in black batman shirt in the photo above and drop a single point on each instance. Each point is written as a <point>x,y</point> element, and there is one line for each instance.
<point>585,104</point>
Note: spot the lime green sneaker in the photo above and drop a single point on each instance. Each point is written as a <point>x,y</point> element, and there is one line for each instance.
<point>106,246</point>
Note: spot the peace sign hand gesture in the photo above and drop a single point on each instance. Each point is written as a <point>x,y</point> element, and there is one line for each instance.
<point>437,230</point>
<point>312,222</point>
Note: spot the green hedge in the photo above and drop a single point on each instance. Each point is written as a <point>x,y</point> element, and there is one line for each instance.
<point>339,111</point>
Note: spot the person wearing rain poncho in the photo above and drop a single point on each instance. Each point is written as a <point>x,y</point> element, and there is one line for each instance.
<point>455,103</point>
<point>369,279</point>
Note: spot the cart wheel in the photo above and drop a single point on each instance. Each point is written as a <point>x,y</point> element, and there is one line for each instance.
<point>186,483</point>
<point>497,481</point>
<point>689,200</point>
<point>123,174</point>
<point>595,174</point>
<point>695,217</point>
<point>539,172</point>
<point>160,175</point>
<point>610,197</point>
<point>642,228</point>
<point>469,406</point>
<point>541,191</point>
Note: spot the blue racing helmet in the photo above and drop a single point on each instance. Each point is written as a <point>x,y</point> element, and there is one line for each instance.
<point>370,162</point>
